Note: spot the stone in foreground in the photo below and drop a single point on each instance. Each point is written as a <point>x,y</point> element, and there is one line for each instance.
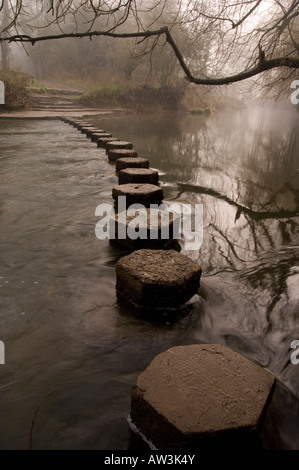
<point>145,194</point>
<point>138,175</point>
<point>157,279</point>
<point>121,144</point>
<point>115,154</point>
<point>128,162</point>
<point>145,228</point>
<point>201,397</point>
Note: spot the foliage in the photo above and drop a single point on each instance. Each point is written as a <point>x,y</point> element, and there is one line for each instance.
<point>16,94</point>
<point>137,97</point>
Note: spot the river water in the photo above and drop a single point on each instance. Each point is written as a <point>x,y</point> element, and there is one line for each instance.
<point>73,354</point>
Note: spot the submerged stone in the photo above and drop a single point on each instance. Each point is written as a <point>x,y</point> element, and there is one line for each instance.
<point>201,397</point>
<point>157,279</point>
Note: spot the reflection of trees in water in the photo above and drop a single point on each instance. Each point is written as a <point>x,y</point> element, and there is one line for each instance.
<point>257,149</point>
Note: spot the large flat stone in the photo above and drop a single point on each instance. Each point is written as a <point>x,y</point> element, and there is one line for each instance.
<point>145,194</point>
<point>138,175</point>
<point>128,162</point>
<point>201,397</point>
<point>157,279</point>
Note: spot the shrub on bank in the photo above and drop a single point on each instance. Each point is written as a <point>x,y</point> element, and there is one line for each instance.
<point>16,94</point>
<point>138,97</point>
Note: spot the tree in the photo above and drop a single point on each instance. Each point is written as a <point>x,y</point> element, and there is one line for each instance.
<point>261,32</point>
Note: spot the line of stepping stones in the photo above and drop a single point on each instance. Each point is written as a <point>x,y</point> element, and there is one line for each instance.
<point>195,397</point>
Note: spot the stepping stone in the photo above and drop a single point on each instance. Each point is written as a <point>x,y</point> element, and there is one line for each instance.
<point>114,155</point>
<point>77,124</point>
<point>103,141</point>
<point>201,397</point>
<point>87,129</point>
<point>123,163</point>
<point>121,144</point>
<point>91,131</point>
<point>145,194</point>
<point>67,120</point>
<point>138,175</point>
<point>83,125</point>
<point>157,279</point>
<point>145,228</point>
<point>97,135</point>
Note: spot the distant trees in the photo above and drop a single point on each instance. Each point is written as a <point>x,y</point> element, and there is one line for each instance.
<point>211,42</point>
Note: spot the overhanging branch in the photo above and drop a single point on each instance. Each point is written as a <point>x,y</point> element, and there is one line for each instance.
<point>263,66</point>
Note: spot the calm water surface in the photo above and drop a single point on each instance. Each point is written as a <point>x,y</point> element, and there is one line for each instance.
<point>69,347</point>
